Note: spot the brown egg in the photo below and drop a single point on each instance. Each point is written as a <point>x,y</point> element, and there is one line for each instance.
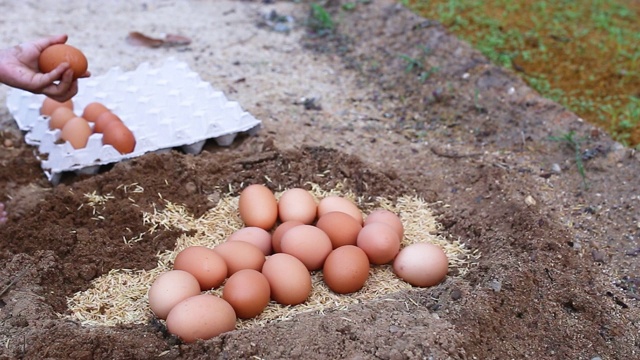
<point>240,255</point>
<point>55,55</point>
<point>202,316</point>
<point>259,237</point>
<point>170,288</point>
<point>307,243</point>
<point>258,206</point>
<point>338,203</point>
<point>49,105</point>
<point>387,217</point>
<point>93,110</point>
<point>119,136</point>
<point>289,279</point>
<point>276,237</point>
<point>341,228</point>
<point>346,269</point>
<point>248,292</point>
<point>297,204</point>
<point>380,242</point>
<point>103,120</point>
<point>76,131</point>
<point>205,264</point>
<point>60,116</point>
<point>421,264</point>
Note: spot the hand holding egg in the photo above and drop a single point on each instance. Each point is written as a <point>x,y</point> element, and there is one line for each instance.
<point>55,55</point>
<point>22,68</point>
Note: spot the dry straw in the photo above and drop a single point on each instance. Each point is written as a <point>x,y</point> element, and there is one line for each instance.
<point>120,297</point>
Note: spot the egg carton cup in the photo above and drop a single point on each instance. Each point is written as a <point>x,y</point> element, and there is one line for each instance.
<point>165,107</point>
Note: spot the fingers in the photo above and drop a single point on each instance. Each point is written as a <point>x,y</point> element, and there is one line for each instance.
<point>72,91</point>
<point>53,75</point>
<point>44,43</point>
<point>64,90</point>
<point>66,81</point>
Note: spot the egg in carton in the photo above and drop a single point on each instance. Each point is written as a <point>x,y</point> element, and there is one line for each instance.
<point>165,107</point>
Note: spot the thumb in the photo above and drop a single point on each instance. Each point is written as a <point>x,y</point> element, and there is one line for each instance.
<point>44,43</point>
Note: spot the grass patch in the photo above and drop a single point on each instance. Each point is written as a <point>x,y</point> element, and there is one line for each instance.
<point>583,54</point>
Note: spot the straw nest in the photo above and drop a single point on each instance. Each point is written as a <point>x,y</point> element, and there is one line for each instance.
<point>120,297</point>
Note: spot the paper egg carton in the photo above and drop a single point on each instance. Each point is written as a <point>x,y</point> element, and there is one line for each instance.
<point>165,107</point>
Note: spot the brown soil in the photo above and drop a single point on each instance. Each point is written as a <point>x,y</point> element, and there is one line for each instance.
<point>557,276</point>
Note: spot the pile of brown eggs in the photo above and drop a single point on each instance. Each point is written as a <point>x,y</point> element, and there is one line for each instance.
<point>272,258</point>
<point>95,118</point>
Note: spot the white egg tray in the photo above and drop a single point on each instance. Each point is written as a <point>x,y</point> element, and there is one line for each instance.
<point>165,107</point>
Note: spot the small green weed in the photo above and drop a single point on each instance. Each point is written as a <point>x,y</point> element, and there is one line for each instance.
<point>320,21</point>
<point>417,65</point>
<point>576,145</point>
<point>427,73</point>
<point>412,63</point>
<point>349,6</point>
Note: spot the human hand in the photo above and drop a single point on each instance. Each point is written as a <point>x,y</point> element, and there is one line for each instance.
<point>19,69</point>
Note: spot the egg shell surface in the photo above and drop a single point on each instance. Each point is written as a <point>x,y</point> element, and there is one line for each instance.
<point>346,269</point>
<point>170,288</point>
<point>338,203</point>
<point>297,204</point>
<point>240,255</point>
<point>76,131</point>
<point>119,136</point>
<point>60,116</point>
<point>388,217</point>
<point>258,206</point>
<point>259,237</point>
<point>206,265</point>
<point>93,110</point>
<point>307,243</point>
<point>380,242</point>
<point>248,292</point>
<point>49,105</point>
<point>57,54</point>
<point>202,316</point>
<point>276,237</point>
<point>341,228</point>
<point>103,120</point>
<point>421,264</point>
<point>289,279</point>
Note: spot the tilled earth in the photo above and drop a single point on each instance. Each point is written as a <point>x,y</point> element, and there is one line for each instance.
<point>389,104</point>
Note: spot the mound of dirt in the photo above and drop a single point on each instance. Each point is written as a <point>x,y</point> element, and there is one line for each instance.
<point>556,275</point>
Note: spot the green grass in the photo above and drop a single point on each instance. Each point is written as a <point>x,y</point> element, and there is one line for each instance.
<point>417,65</point>
<point>320,21</point>
<point>575,144</point>
<point>582,54</point>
